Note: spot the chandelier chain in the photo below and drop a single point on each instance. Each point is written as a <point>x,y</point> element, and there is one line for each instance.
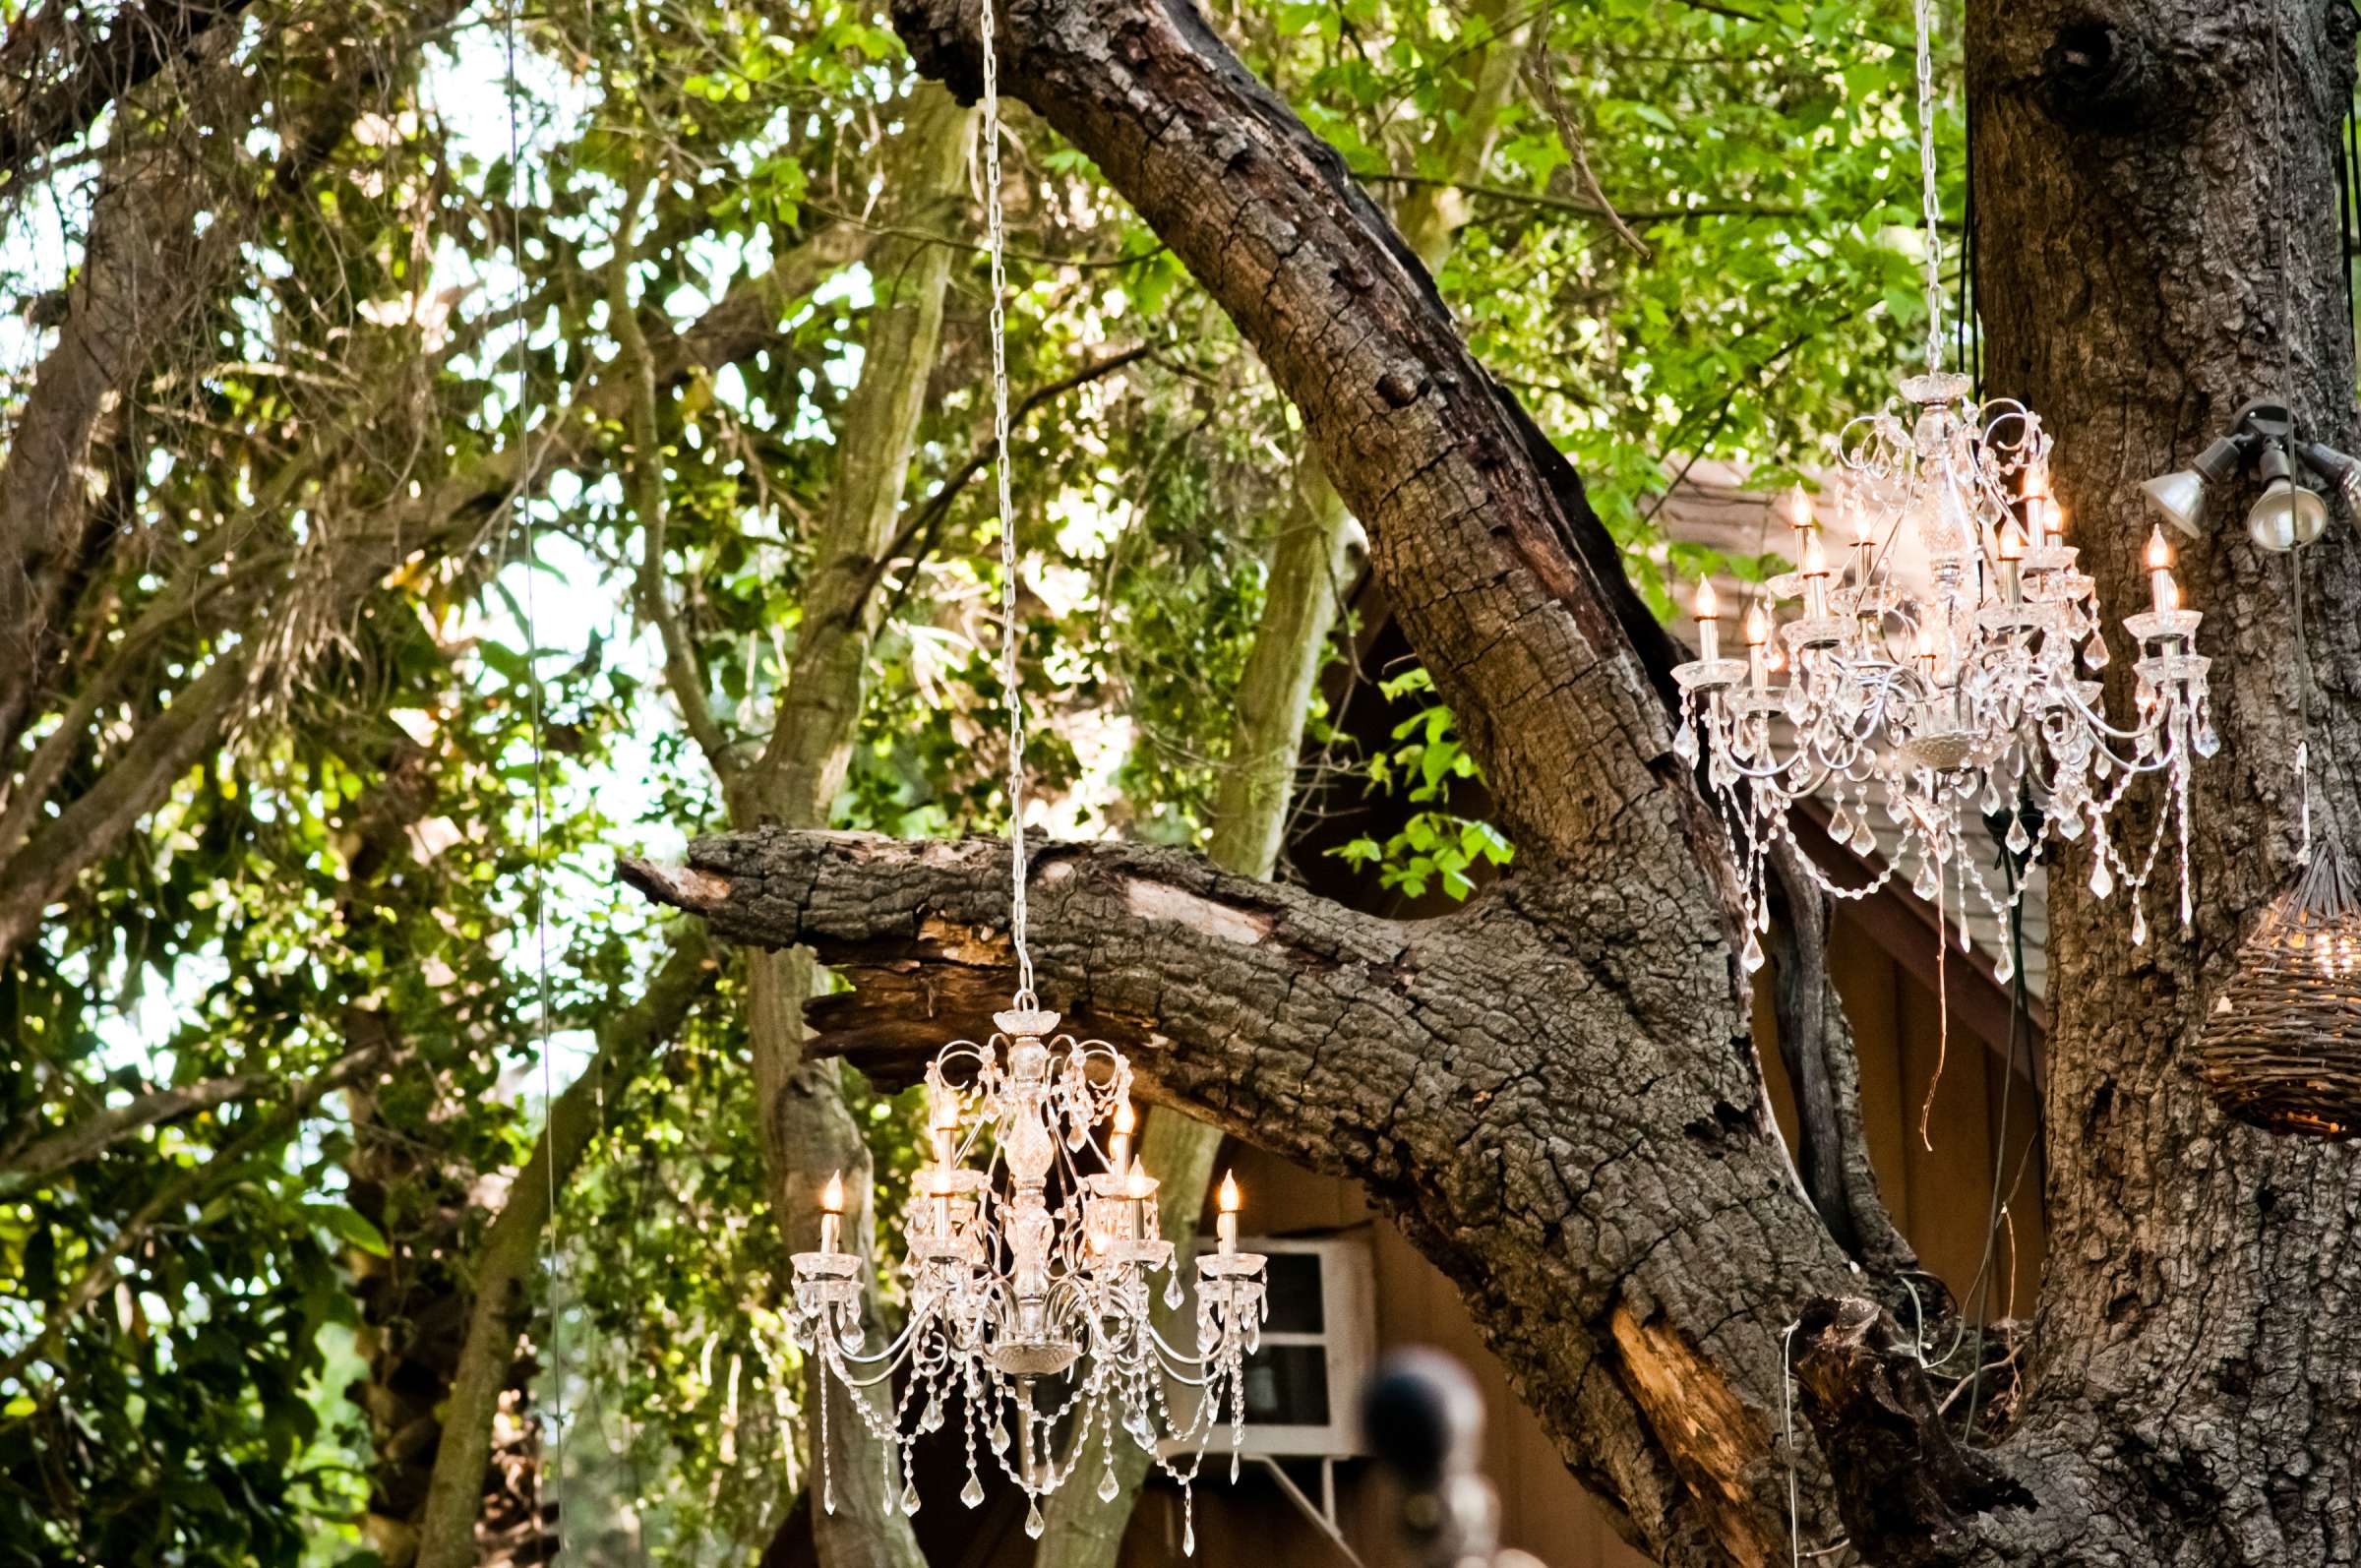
<point>1929,197</point>
<point>997,244</point>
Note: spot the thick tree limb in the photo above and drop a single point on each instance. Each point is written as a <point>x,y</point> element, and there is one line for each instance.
<point>1600,1182</point>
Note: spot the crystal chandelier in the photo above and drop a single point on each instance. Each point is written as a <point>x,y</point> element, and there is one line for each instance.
<point>1962,696</point>
<point>1030,1243</point>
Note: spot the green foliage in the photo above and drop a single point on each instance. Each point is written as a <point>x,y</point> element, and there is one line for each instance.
<point>364,352</point>
<point>1434,847</point>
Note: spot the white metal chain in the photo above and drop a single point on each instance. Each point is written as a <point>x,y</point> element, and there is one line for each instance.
<point>1930,200</point>
<point>1011,687</point>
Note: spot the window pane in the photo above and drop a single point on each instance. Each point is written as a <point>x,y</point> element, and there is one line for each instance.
<point>1295,1293</point>
<point>1287,1385</point>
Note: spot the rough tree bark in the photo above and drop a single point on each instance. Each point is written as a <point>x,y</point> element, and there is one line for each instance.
<point>1553,1090</point>
<point>1309,560</point>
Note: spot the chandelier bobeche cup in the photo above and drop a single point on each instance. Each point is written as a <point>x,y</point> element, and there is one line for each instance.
<point>1030,1244</point>
<point>1946,698</point>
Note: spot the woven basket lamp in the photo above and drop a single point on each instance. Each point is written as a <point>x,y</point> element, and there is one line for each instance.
<point>2283,1047</point>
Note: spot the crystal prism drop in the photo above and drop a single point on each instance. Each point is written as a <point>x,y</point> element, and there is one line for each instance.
<point>2005,970</point>
<point>1188,1537</point>
<point>1033,1520</point>
<point>1172,1289</point>
<point>1233,1467</point>
<point>828,1496</point>
<point>2208,742</point>
<point>2018,839</point>
<point>1928,884</point>
<point>2094,652</point>
<point>999,1435</point>
<point>973,1492</point>
<point>2138,926</point>
<point>909,1497</point>
<point>2102,881</point>
<point>1839,826</point>
<point>1108,1486</point>
<point>1751,956</point>
<point>1684,744</point>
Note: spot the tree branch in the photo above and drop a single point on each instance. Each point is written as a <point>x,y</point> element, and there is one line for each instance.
<point>55,77</point>
<point>83,1140</point>
<point>1582,1149</point>
<point>635,369</point>
<point>506,1258</point>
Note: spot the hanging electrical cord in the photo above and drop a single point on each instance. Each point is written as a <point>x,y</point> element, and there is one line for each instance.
<point>552,1267</point>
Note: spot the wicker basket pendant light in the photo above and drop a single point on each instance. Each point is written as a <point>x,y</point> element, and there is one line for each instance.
<point>2282,1048</point>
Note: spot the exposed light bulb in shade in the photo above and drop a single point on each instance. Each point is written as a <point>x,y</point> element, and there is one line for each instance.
<point>1815,560</point>
<point>1799,509</point>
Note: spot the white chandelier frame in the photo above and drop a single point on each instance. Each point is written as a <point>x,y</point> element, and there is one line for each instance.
<point>1026,1267</point>
<point>1971,697</point>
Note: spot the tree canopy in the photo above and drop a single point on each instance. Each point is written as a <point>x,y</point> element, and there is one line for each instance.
<point>422,424</point>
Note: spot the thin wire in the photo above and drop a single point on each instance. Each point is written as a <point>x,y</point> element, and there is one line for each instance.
<point>1923,18</point>
<point>996,243</point>
<point>1786,1422</point>
<point>551,1265</point>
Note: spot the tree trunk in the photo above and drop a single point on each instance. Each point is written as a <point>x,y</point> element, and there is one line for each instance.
<point>2141,166</point>
<point>1554,1091</point>
<point>807,1132</point>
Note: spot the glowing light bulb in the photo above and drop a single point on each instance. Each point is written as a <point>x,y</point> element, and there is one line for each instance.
<point>1709,603</point>
<point>1119,1146</point>
<point>831,1212</point>
<point>2011,541</point>
<point>1799,509</point>
<point>1226,1223</point>
<point>1758,626</point>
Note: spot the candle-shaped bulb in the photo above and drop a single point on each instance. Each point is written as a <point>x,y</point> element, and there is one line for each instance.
<point>1799,509</point>
<point>1228,1197</point>
<point>1139,1184</point>
<point>1758,626</point>
<point>831,1212</point>
<point>1815,560</point>
<point>1861,521</point>
<point>2011,541</point>
<point>1225,1221</point>
<point>1926,645</point>
<point>2036,483</point>
<point>1709,603</point>
<point>2164,595</point>
<point>1119,1146</point>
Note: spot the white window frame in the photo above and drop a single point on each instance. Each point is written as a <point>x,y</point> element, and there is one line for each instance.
<point>1348,1335</point>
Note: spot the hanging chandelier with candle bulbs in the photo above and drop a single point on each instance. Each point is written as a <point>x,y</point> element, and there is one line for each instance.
<point>1962,695</point>
<point>1031,1245</point>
